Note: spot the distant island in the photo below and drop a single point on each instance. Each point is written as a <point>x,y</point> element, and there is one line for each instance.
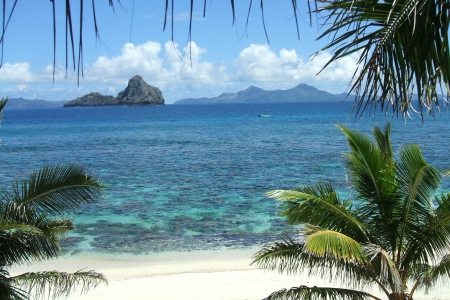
<point>300,93</point>
<point>137,93</point>
<point>20,103</point>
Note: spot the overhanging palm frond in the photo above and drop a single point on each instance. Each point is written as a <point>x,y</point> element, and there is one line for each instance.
<point>58,284</point>
<point>56,189</point>
<point>3,102</point>
<point>319,293</point>
<point>404,50</point>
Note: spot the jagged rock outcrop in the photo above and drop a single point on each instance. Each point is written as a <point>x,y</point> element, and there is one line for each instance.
<point>137,93</point>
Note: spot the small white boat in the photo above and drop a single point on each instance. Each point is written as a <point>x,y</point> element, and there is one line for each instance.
<point>264,116</point>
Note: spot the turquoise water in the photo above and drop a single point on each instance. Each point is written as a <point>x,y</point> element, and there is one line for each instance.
<point>193,177</point>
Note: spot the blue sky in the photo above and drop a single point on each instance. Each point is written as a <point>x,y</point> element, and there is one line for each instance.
<point>222,57</point>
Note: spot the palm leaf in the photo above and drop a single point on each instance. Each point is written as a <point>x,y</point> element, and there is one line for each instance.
<point>389,273</point>
<point>418,181</point>
<point>431,244</point>
<point>319,293</point>
<point>321,207</point>
<point>24,244</point>
<point>3,102</point>
<point>58,284</point>
<point>285,256</point>
<point>292,257</point>
<point>404,49</point>
<point>331,243</point>
<point>57,189</point>
<point>7,290</point>
<point>429,277</point>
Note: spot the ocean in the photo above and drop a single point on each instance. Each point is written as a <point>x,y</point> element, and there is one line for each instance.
<point>193,177</point>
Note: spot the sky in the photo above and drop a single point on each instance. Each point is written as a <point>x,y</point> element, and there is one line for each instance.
<point>221,56</point>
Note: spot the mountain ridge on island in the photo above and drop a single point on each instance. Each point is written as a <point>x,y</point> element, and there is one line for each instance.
<point>137,93</point>
<point>253,94</point>
<point>21,103</point>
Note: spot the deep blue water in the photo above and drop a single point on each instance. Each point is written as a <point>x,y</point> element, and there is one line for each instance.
<point>193,177</point>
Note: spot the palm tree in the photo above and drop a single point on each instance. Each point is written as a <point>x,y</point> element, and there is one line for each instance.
<point>393,233</point>
<point>30,231</point>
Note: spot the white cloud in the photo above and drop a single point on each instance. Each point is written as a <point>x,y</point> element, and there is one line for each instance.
<point>179,73</point>
<point>259,63</point>
<point>18,72</point>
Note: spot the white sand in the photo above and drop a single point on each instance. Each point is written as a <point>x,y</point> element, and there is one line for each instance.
<point>198,275</point>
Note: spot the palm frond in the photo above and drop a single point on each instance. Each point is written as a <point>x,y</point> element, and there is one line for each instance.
<point>292,257</point>
<point>56,189</point>
<point>58,284</point>
<point>404,49</point>
<point>25,244</point>
<point>384,141</point>
<point>3,102</point>
<point>319,293</point>
<point>369,167</point>
<point>429,245</point>
<point>388,269</point>
<point>372,173</point>
<point>7,290</point>
<point>319,206</point>
<point>331,243</point>
<point>418,181</point>
<point>285,256</point>
<point>429,277</point>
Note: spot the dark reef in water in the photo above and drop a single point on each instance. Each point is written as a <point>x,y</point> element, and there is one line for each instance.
<point>114,237</point>
<point>137,93</point>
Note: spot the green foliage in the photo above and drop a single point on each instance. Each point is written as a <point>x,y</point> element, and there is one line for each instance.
<point>29,231</point>
<point>3,102</point>
<point>403,48</point>
<point>393,234</point>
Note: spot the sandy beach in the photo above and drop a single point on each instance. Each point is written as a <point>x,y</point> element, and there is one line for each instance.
<point>196,275</point>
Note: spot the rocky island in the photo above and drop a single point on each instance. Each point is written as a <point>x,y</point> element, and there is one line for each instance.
<point>137,93</point>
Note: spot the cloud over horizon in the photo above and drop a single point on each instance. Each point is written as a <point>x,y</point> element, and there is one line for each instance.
<point>178,73</point>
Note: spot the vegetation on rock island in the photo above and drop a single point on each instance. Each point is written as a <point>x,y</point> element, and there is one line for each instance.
<point>393,232</point>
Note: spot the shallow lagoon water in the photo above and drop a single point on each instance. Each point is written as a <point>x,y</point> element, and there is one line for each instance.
<point>193,177</point>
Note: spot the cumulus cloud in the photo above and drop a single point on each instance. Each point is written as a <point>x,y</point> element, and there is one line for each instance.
<point>18,72</point>
<point>172,66</point>
<point>180,73</point>
<point>261,64</point>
